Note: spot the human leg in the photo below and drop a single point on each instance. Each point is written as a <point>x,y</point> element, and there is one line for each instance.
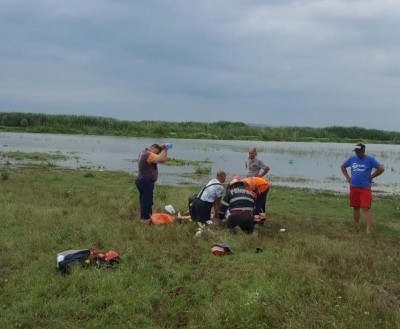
<point>355,198</point>
<point>356,216</point>
<point>201,211</point>
<point>366,200</point>
<point>146,199</point>
<point>367,219</point>
<point>261,203</point>
<point>244,222</point>
<point>232,224</point>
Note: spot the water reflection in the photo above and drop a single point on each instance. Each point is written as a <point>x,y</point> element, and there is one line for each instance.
<point>306,165</point>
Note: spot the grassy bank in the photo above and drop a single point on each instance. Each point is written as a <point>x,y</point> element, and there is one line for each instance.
<point>220,130</point>
<point>319,273</point>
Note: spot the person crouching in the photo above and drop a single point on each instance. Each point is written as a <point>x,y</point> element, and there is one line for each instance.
<point>240,203</point>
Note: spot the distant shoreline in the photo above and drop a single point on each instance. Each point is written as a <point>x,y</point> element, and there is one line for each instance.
<point>220,130</point>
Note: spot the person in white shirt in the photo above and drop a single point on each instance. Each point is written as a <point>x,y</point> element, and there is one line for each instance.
<point>209,198</point>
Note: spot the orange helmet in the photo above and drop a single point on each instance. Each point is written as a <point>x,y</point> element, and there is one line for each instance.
<point>235,179</point>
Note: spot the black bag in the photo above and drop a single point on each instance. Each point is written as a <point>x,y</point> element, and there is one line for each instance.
<point>86,257</point>
<point>190,203</point>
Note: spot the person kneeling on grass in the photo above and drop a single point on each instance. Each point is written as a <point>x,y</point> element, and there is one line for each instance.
<point>240,203</point>
<point>209,198</point>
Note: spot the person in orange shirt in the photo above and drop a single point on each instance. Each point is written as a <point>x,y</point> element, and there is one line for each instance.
<point>259,187</point>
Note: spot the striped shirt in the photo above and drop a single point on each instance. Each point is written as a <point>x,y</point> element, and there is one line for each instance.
<point>237,198</point>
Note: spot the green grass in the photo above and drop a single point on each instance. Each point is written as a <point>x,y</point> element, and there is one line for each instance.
<point>37,156</point>
<point>202,170</point>
<point>180,162</point>
<point>320,273</point>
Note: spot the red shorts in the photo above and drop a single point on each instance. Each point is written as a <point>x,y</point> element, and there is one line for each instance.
<point>360,197</point>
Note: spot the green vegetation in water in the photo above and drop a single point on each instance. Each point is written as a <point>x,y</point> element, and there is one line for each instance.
<point>202,170</point>
<point>179,162</point>
<point>290,179</point>
<point>221,130</point>
<point>319,273</point>
<point>37,156</point>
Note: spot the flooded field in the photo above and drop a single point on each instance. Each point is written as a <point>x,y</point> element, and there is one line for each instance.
<point>308,165</point>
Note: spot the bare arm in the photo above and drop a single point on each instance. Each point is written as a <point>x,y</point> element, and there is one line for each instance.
<point>216,221</point>
<point>217,203</point>
<point>377,172</point>
<point>266,169</point>
<point>345,173</point>
<point>162,157</point>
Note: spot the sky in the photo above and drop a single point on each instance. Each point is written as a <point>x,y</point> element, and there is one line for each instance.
<point>314,63</point>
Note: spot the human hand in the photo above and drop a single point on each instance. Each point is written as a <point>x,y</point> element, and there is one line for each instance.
<point>168,146</point>
<point>216,221</point>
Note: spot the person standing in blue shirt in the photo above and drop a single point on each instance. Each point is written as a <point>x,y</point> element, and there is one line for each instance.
<point>360,196</point>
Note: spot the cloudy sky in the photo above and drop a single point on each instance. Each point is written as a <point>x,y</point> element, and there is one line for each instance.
<point>276,62</point>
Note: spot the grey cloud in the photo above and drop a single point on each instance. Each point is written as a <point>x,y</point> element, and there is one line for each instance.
<point>287,62</point>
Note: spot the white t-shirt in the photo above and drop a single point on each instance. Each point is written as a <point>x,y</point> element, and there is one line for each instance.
<point>212,192</point>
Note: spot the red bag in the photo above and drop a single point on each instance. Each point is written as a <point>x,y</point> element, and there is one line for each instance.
<point>220,249</point>
<point>159,219</point>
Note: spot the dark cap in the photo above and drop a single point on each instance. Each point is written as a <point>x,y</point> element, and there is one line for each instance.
<point>359,147</point>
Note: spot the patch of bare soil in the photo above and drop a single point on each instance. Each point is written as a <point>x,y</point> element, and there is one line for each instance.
<point>392,292</point>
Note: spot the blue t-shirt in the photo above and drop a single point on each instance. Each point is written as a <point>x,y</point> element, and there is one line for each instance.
<point>361,169</point>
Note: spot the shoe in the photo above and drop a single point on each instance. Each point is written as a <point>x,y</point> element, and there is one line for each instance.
<point>146,221</point>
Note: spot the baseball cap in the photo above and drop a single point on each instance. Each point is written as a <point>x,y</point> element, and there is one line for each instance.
<point>359,147</point>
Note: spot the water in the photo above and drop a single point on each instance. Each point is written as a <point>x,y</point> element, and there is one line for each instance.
<point>305,165</point>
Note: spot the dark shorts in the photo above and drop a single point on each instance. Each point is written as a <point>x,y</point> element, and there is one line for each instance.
<point>360,197</point>
<point>245,222</point>
<point>201,211</point>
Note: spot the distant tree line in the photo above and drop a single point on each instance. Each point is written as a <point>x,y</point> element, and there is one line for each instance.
<point>92,125</point>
